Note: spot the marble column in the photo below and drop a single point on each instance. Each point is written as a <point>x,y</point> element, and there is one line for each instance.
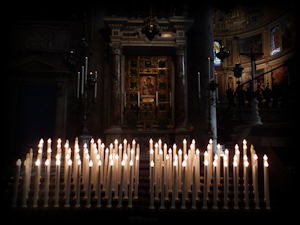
<point>115,105</point>
<point>180,90</point>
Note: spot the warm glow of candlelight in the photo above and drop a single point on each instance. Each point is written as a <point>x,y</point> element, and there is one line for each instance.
<point>210,141</point>
<point>265,157</point>
<point>91,163</point>
<point>245,157</point>
<point>79,162</point>
<point>175,163</point>
<point>137,157</point>
<point>151,151</point>
<point>111,162</point>
<point>206,162</point>
<point>131,163</point>
<point>133,142</point>
<point>99,163</point>
<point>37,162</point>
<point>184,163</point>
<point>244,142</point>
<point>57,162</point>
<point>225,164</point>
<point>70,162</point>
<point>246,163</point>
<point>215,163</point>
<point>47,162</point>
<point>235,163</point>
<point>123,163</point>
<point>167,157</point>
<point>19,162</point>
<point>152,164</point>
<point>116,141</point>
<point>266,164</point>
<point>179,152</point>
<point>255,157</point>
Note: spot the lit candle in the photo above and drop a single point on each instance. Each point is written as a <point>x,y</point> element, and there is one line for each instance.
<point>98,185</point>
<point>218,163</point>
<point>121,185</point>
<point>179,167</point>
<point>47,177</point>
<point>225,170</point>
<point>152,185</point>
<point>130,185</point>
<point>57,180</point>
<point>110,184</point>
<point>205,194</point>
<point>137,165</point>
<point>194,188</point>
<point>174,184</point>
<point>183,185</point>
<point>235,183</point>
<point>266,183</point>
<point>162,193</point>
<point>77,191</point>
<point>88,201</point>
<point>68,184</point>
<point>246,188</point>
<point>215,173</point>
<point>16,184</point>
<point>37,183</point>
<point>244,147</point>
<point>255,182</point>
<point>150,145</point>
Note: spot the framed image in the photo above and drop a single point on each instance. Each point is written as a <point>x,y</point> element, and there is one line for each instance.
<point>148,86</point>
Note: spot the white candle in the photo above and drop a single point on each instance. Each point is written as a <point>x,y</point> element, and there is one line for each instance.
<point>179,168</point>
<point>194,188</point>
<point>130,185</point>
<point>78,84</point>
<point>162,194</point>
<point>77,191</point>
<point>110,184</point>
<point>235,183</point>
<point>68,184</point>
<point>25,188</point>
<point>205,194</point>
<point>151,185</point>
<point>121,185</point>
<point>266,183</point>
<point>255,182</point>
<point>183,185</point>
<point>88,201</point>
<point>96,85</point>
<point>47,177</point>
<point>215,172</point>
<point>16,184</point>
<point>184,146</point>
<point>225,169</point>
<point>137,166</point>
<point>37,183</point>
<point>174,184</point>
<point>199,88</point>
<point>218,163</point>
<point>57,180</point>
<point>246,188</point>
<point>82,80</point>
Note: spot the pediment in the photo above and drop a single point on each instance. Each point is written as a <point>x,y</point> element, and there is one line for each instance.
<point>37,63</point>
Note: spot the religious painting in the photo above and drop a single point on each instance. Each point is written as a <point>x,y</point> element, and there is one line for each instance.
<point>280,75</point>
<point>253,43</point>
<point>217,46</point>
<point>148,86</point>
<point>274,40</point>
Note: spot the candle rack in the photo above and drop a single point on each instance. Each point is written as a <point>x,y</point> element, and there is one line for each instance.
<point>109,178</point>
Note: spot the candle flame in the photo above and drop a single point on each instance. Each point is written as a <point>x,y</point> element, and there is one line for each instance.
<point>116,141</point>
<point>131,163</point>
<point>151,141</point>
<point>208,146</point>
<point>152,164</point>
<point>57,162</point>
<point>49,140</point>
<point>99,162</point>
<point>184,141</point>
<point>47,162</point>
<point>167,157</point>
<point>70,162</point>
<point>59,141</point>
<point>91,163</point>
<point>246,163</point>
<point>255,157</point>
<point>37,162</point>
<point>19,162</point>
<point>175,163</point>
<point>244,142</point>
<point>245,157</point>
<point>265,157</point>
<point>137,157</point>
<point>79,162</point>
<point>151,151</point>
<point>205,162</point>
<point>85,145</point>
<point>266,164</point>
<point>197,151</point>
<point>116,156</point>
<point>210,141</point>
<point>133,142</point>
<point>92,141</point>
<point>123,163</point>
<point>235,163</point>
<point>184,163</point>
<point>215,163</point>
<point>225,164</point>
<point>132,151</point>
<point>111,162</point>
<point>179,152</point>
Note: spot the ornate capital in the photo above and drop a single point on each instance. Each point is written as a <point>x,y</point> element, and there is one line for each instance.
<point>180,49</point>
<point>116,48</point>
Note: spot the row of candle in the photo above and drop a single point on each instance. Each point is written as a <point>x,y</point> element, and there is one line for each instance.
<point>99,169</point>
<point>177,172</point>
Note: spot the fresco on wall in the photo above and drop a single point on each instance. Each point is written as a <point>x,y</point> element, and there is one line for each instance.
<point>246,44</point>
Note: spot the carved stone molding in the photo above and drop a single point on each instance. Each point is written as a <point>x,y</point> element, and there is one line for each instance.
<point>116,48</point>
<point>180,49</point>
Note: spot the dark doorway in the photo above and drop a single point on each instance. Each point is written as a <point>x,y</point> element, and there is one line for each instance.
<point>36,115</point>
